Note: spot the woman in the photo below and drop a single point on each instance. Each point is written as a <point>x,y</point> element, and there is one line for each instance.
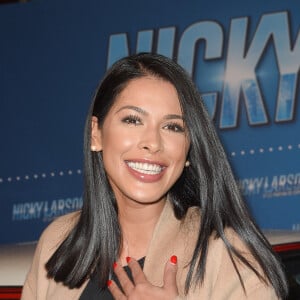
<point>160,199</point>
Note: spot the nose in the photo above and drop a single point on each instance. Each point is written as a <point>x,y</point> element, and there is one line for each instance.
<point>151,140</point>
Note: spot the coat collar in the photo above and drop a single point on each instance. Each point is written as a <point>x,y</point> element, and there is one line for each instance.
<point>171,237</point>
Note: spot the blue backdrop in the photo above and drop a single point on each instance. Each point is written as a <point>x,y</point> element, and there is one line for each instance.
<point>244,57</point>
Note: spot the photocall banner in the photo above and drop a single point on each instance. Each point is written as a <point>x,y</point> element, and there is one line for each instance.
<point>244,58</point>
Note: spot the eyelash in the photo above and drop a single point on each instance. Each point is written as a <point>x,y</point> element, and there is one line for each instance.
<point>132,120</point>
<point>173,126</point>
<point>136,120</point>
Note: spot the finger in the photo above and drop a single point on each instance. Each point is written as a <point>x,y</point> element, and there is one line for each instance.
<point>136,271</point>
<point>170,274</point>
<point>126,284</point>
<point>115,291</point>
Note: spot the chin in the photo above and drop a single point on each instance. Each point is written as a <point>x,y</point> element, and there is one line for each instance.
<point>147,200</point>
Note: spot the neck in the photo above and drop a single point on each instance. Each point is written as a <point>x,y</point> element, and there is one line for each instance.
<point>137,223</point>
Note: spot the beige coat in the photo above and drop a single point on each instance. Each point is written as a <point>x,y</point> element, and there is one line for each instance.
<point>171,237</point>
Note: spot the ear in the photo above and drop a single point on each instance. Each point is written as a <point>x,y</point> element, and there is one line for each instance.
<point>96,137</point>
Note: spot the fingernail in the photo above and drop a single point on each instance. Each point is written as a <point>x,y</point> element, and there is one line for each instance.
<point>109,282</point>
<point>128,259</point>
<point>173,259</point>
<point>115,265</point>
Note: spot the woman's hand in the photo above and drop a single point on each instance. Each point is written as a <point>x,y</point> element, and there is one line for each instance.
<point>141,288</point>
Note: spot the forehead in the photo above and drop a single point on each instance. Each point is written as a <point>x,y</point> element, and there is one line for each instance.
<point>149,92</point>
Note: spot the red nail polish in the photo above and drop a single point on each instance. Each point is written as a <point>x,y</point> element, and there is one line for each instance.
<point>128,259</point>
<point>109,282</point>
<point>115,265</point>
<point>173,259</point>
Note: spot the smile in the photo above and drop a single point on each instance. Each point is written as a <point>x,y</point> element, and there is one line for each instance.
<point>145,168</point>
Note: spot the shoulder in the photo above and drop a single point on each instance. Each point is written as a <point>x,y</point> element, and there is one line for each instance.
<point>225,272</point>
<point>63,223</point>
<point>58,230</point>
<point>224,254</point>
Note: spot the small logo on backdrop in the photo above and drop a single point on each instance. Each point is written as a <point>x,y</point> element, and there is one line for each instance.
<point>45,210</point>
<point>271,186</point>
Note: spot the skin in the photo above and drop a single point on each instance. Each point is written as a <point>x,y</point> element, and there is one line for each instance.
<point>141,288</point>
<point>144,146</point>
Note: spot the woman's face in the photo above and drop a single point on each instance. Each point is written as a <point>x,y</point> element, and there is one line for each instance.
<point>143,140</point>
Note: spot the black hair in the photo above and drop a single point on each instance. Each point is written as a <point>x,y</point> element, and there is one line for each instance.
<point>207,183</point>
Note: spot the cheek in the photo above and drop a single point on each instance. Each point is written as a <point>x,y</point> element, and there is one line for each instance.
<point>178,149</point>
<point>117,141</point>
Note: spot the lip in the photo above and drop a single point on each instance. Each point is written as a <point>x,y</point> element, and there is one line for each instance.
<point>146,177</point>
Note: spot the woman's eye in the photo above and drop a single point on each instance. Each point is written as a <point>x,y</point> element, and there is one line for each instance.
<point>175,127</point>
<point>132,120</point>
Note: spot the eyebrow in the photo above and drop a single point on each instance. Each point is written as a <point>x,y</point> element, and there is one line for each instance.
<point>135,108</point>
<point>145,113</point>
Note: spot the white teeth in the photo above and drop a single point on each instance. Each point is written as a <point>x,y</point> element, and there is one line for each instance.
<point>145,168</point>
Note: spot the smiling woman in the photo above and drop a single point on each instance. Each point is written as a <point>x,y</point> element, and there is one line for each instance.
<point>162,216</point>
<point>143,142</point>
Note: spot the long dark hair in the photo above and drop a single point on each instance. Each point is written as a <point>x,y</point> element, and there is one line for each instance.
<point>208,183</point>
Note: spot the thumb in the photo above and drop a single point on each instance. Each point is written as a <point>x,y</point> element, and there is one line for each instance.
<point>170,274</point>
